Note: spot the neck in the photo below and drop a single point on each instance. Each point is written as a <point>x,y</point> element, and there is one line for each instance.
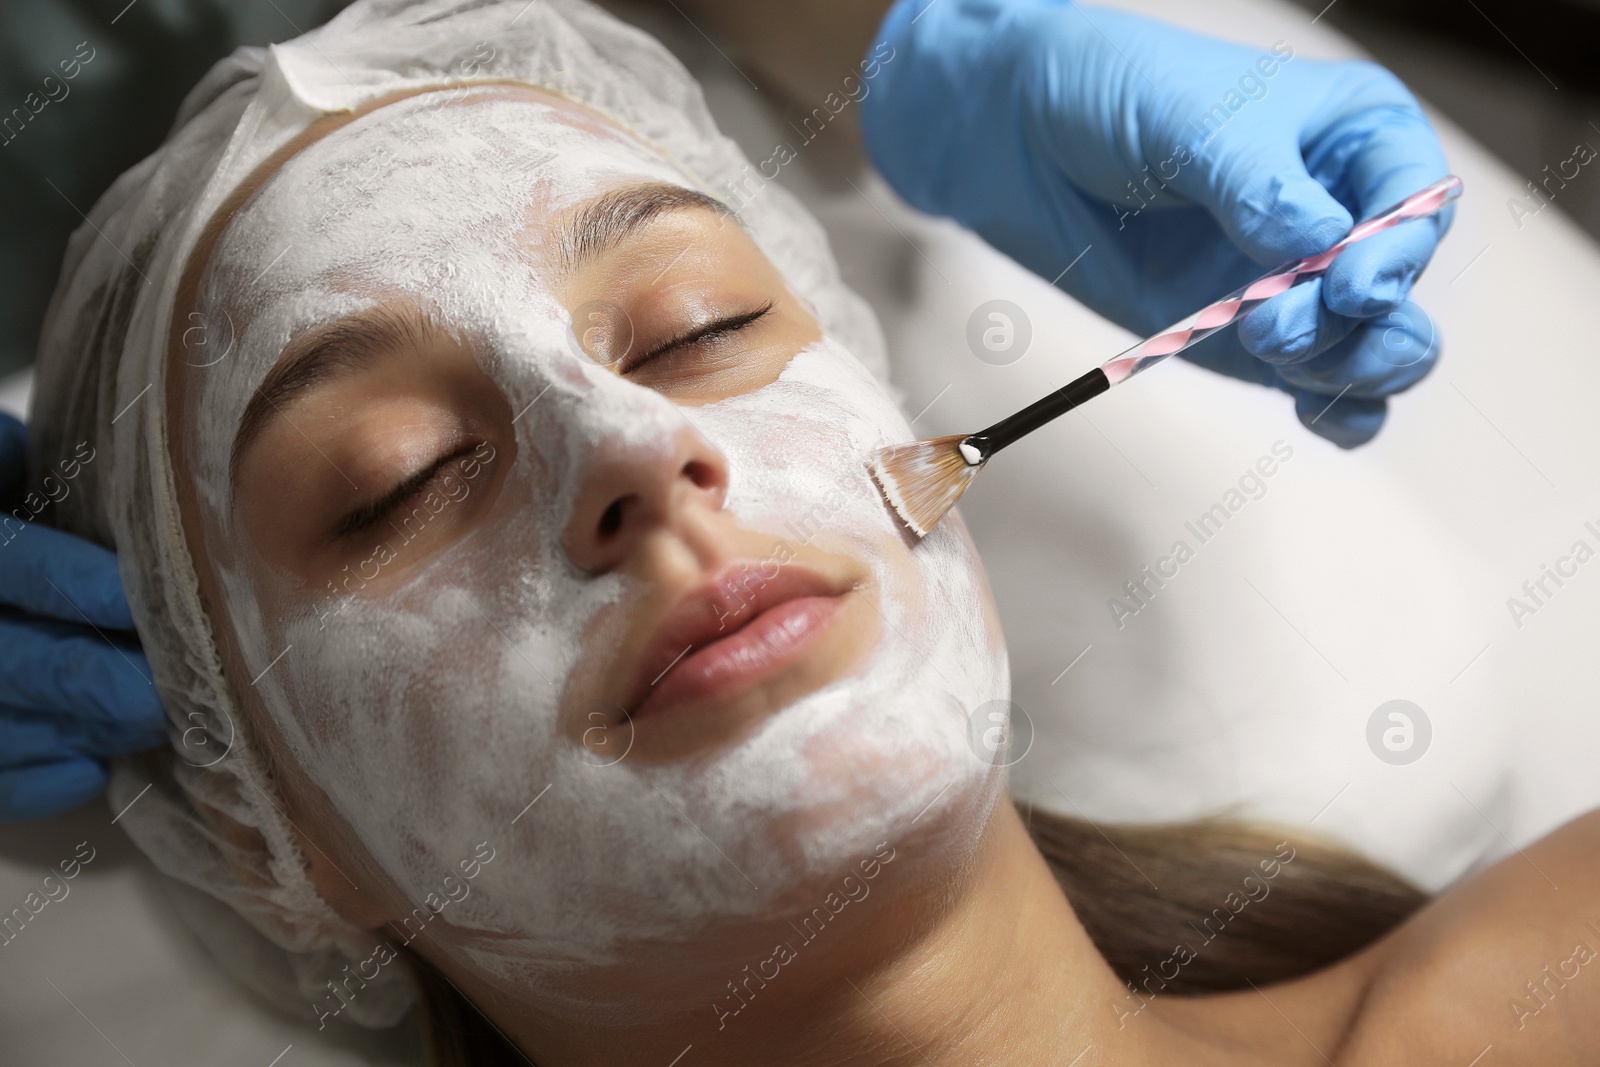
<point>990,964</point>
<point>989,957</point>
<point>1007,974</point>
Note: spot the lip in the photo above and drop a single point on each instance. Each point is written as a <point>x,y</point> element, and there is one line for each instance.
<point>731,633</point>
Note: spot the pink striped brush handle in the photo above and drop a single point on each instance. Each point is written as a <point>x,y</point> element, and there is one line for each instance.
<point>1233,307</point>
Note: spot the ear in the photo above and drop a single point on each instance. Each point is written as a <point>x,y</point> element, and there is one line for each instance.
<point>336,862</point>
<point>343,877</point>
<point>353,893</point>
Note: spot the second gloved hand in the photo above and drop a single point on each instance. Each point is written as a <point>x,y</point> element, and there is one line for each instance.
<point>75,689</point>
<point>1185,166</point>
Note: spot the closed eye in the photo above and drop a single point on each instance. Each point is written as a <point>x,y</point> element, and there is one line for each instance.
<point>710,331</point>
<point>372,512</point>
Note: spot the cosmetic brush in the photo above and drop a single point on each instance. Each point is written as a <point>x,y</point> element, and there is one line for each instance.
<point>923,479</point>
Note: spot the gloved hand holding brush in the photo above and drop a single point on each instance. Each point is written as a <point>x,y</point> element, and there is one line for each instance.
<point>1177,167</point>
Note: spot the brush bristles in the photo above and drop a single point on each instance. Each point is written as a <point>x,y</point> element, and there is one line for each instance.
<point>924,479</point>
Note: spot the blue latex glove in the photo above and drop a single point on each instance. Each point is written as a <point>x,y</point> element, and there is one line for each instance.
<point>75,689</point>
<point>1190,165</point>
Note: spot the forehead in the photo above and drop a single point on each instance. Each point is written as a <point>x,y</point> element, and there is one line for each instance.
<point>453,200</point>
<point>426,187</point>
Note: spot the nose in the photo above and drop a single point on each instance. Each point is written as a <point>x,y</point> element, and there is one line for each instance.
<point>631,491</point>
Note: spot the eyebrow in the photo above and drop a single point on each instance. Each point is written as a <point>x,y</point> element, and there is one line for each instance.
<point>338,348</point>
<point>603,223</point>
<point>355,342</point>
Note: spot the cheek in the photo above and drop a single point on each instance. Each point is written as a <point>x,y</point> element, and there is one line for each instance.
<point>797,457</point>
<point>425,712</point>
<point>430,718</point>
<point>797,453</point>
<point>797,449</point>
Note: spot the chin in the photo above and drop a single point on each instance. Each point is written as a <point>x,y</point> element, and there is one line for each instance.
<point>879,758</point>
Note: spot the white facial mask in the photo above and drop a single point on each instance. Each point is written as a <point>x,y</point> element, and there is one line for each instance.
<point>428,713</point>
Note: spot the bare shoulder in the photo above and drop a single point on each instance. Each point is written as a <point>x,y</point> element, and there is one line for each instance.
<point>1502,969</point>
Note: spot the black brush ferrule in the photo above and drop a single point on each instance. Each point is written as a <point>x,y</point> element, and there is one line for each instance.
<point>1035,415</point>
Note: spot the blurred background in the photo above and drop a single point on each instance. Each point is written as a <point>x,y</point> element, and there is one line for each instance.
<point>1520,76</point>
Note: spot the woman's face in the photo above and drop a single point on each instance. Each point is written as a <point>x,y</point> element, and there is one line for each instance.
<point>532,509</point>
